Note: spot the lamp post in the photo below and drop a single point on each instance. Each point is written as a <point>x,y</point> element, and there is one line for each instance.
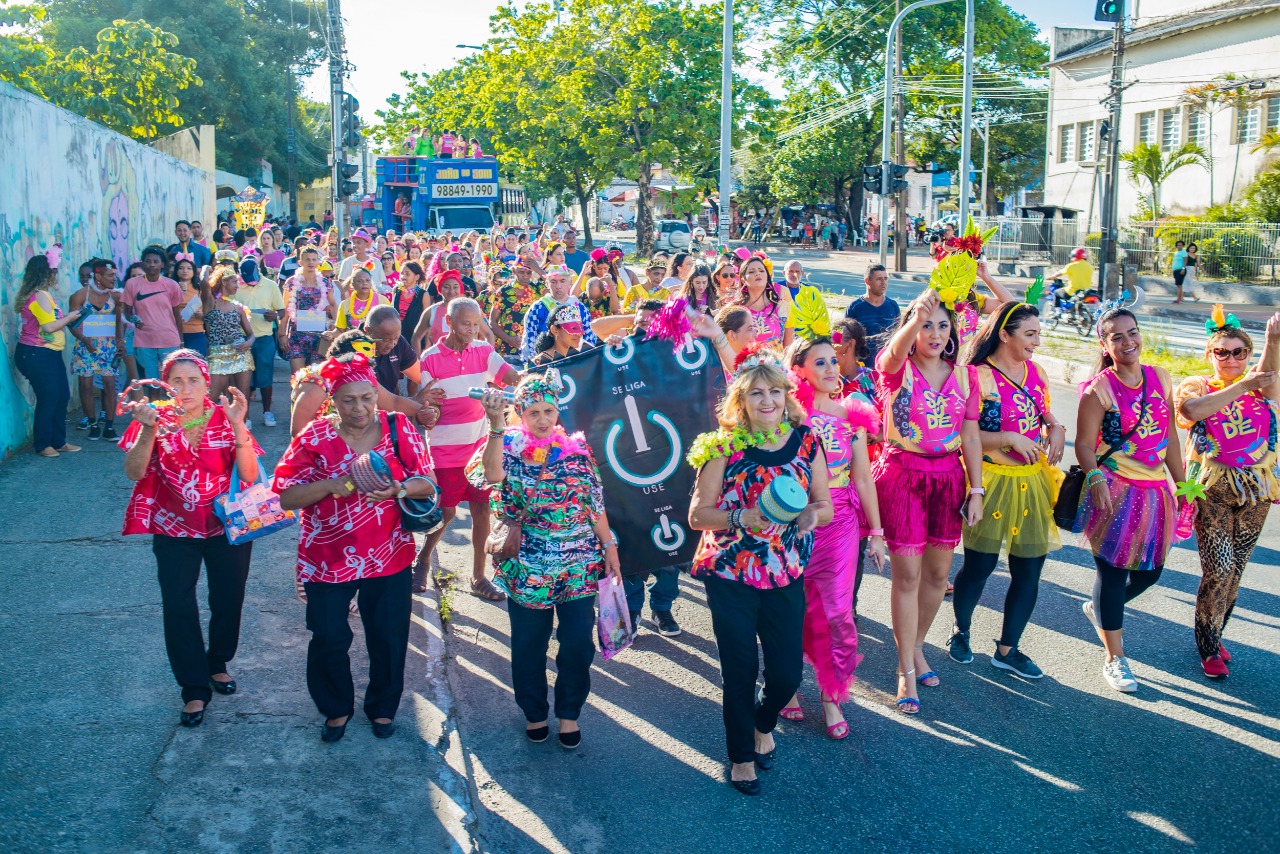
<point>726,123</point>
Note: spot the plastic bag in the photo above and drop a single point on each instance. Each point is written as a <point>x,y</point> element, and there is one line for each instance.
<point>613,624</point>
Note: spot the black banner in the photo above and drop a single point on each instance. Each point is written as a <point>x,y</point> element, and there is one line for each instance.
<point>640,406</point>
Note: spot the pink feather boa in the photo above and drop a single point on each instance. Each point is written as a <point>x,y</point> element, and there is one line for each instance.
<point>862,416</point>
<point>557,446</point>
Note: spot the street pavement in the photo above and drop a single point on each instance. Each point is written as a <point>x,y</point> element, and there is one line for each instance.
<point>94,759</point>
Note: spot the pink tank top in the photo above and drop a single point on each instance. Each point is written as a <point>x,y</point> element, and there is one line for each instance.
<point>924,421</point>
<point>836,436</point>
<point>1147,445</point>
<point>1237,434</point>
<point>968,316</point>
<point>768,323</point>
<point>1021,410</point>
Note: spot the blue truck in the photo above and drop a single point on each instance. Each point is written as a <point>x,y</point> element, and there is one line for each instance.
<point>443,194</point>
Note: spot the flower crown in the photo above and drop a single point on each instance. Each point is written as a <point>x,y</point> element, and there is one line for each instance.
<point>1219,322</point>
<point>757,353</point>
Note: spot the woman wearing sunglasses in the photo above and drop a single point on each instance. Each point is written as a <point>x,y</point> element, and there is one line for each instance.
<point>1231,456</point>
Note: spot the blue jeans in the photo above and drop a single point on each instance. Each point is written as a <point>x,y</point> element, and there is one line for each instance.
<point>149,359</point>
<point>47,373</point>
<point>530,637</point>
<point>197,341</point>
<point>264,361</point>
<point>662,593</point>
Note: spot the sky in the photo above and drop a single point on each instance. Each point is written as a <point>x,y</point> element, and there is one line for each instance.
<point>385,37</point>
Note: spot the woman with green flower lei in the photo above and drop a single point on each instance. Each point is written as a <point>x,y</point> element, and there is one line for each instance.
<point>1231,466</point>
<point>751,566</point>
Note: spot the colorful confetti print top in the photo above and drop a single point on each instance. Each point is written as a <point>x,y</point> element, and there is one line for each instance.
<point>924,421</point>
<point>766,559</point>
<point>1236,443</point>
<point>560,557</point>
<point>1142,456</point>
<point>1006,407</point>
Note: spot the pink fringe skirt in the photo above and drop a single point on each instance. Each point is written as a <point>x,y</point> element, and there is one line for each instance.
<point>830,635</point>
<point>920,498</point>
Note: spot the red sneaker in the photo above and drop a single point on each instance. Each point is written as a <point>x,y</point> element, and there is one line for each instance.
<point>1215,667</point>
<point>1222,652</point>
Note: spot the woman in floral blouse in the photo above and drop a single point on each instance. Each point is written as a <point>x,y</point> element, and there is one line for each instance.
<point>352,543</point>
<point>752,566</point>
<point>546,487</point>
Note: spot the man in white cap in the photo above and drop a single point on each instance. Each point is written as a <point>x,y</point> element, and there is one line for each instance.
<point>361,241</point>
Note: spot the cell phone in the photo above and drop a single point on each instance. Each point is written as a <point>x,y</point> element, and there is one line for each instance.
<point>964,506</point>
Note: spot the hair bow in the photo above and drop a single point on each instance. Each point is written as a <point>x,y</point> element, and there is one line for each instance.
<point>184,256</point>
<point>1218,321</point>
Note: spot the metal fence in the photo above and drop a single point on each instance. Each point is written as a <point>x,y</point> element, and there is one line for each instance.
<point>1227,251</point>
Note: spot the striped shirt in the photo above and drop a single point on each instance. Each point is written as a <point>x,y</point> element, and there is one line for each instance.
<point>461,428</point>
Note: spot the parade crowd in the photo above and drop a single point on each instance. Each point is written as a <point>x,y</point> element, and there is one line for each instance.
<point>423,376</point>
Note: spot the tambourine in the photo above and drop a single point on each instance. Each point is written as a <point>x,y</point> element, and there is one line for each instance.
<point>169,412</point>
<point>370,473</point>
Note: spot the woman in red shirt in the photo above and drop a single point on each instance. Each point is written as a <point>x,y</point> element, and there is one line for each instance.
<point>354,543</point>
<point>180,458</point>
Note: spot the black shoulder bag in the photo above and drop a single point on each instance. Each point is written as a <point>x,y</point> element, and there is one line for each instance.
<point>1068,504</point>
<point>417,515</point>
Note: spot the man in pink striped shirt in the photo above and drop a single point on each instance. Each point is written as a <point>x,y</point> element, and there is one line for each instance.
<point>458,363</point>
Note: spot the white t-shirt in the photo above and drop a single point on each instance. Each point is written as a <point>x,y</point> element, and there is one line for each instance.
<point>348,267</point>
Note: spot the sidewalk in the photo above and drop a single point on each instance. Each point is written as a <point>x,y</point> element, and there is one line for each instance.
<point>95,758</point>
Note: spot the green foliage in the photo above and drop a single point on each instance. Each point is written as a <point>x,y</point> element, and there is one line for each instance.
<point>1231,253</point>
<point>24,59</point>
<point>1262,197</point>
<point>1149,163</point>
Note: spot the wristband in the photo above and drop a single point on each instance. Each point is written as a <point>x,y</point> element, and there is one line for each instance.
<point>876,532</point>
<point>977,490</point>
<point>610,543</point>
<point>735,518</point>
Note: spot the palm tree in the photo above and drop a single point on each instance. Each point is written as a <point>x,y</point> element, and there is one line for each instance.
<point>1267,143</point>
<point>1149,163</point>
<point>1207,100</point>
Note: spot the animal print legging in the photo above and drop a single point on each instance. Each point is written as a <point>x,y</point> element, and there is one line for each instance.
<point>1226,533</point>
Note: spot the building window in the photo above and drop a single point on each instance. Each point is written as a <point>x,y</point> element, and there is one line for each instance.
<point>1198,128</point>
<point>1273,114</point>
<point>1248,125</point>
<point>1084,132</point>
<point>1147,128</point>
<point>1066,143</point>
<point>1170,129</point>
<point>924,198</point>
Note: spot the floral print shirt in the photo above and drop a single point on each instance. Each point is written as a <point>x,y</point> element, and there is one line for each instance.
<point>560,558</point>
<point>513,302</point>
<point>766,559</point>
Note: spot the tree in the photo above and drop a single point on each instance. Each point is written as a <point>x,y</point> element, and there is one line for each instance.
<point>24,59</point>
<point>1147,162</point>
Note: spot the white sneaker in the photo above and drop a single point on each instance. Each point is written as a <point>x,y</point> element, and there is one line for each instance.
<point>1118,676</point>
<point>268,419</point>
<point>1087,607</point>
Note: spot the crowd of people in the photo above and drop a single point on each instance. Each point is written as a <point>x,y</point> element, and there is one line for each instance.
<point>890,436</point>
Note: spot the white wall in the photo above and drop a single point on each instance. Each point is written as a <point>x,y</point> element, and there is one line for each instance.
<point>1162,70</point>
<point>64,179</point>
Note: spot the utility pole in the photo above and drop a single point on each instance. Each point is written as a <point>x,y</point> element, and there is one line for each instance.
<point>900,156</point>
<point>726,124</point>
<point>337,71</point>
<point>966,115</point>
<point>1110,192</point>
<point>985,130</point>
<point>291,147</point>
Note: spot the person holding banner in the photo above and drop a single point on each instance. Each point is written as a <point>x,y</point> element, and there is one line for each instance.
<point>537,319</point>
<point>842,423</point>
<point>311,306</point>
<point>751,563</point>
<point>546,487</point>
<point>932,407</point>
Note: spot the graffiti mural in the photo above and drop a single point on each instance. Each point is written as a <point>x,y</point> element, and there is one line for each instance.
<point>66,180</point>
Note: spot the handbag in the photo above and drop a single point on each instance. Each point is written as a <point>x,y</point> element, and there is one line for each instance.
<point>504,538</point>
<point>253,512</point>
<point>1067,507</point>
<point>417,515</point>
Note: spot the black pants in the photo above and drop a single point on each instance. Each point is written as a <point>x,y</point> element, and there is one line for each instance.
<point>47,373</point>
<point>385,605</point>
<point>178,562</point>
<point>530,637</point>
<point>1019,602</point>
<point>740,614</point>
<point>1114,587</point>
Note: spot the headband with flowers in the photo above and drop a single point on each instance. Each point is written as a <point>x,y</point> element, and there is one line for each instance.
<point>757,353</point>
<point>1220,322</point>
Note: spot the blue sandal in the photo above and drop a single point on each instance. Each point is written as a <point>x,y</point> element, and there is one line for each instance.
<point>922,679</point>
<point>908,706</point>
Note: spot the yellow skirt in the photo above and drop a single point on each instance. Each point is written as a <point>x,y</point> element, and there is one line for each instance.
<point>1017,511</point>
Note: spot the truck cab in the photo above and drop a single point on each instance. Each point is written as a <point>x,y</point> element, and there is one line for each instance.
<point>437,194</point>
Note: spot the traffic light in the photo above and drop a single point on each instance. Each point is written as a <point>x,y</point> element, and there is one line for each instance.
<point>896,184</point>
<point>1109,11</point>
<point>873,179</point>
<point>350,127</point>
<point>348,187</point>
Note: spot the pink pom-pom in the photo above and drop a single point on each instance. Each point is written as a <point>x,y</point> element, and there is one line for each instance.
<point>863,416</point>
<point>54,255</point>
<point>671,322</point>
<point>803,391</point>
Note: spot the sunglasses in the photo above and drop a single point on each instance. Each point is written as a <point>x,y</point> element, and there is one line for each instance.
<point>1238,353</point>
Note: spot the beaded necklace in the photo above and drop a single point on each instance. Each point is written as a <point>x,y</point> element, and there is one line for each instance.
<point>726,443</point>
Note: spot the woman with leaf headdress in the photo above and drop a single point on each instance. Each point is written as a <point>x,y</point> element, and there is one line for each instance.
<point>1231,468</point>
<point>957,272</point>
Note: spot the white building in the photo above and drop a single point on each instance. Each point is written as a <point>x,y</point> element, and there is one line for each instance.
<point>1173,45</point>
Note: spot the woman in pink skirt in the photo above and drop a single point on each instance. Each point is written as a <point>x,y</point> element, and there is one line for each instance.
<point>841,423</point>
<point>932,408</point>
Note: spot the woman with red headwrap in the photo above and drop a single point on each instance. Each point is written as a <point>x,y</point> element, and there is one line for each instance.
<point>180,455</point>
<point>354,543</point>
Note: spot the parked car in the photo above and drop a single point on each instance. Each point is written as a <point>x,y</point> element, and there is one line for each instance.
<point>671,235</point>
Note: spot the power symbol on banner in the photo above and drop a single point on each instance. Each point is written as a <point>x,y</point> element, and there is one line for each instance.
<point>692,355</point>
<point>667,536</point>
<point>642,444</point>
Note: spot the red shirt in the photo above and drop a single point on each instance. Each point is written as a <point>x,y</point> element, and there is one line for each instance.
<point>176,494</point>
<point>343,539</point>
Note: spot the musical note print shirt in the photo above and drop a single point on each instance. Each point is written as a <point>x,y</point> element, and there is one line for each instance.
<point>343,539</point>
<point>176,494</point>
